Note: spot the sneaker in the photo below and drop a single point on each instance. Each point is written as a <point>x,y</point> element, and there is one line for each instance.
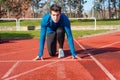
<point>61,53</point>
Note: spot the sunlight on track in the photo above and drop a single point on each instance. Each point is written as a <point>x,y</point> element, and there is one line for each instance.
<point>20,51</point>
<point>97,62</point>
<point>69,58</point>
<point>10,70</point>
<point>37,68</point>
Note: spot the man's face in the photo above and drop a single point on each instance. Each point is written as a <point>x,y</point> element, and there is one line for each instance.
<point>55,16</point>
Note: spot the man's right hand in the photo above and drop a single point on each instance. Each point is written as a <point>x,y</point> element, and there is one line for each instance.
<point>76,57</point>
<point>38,58</point>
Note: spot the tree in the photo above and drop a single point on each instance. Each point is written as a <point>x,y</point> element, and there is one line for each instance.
<point>69,6</point>
<point>61,3</point>
<point>111,9</point>
<point>100,7</point>
<point>35,6</point>
<point>114,8</point>
<point>15,8</point>
<point>2,5</point>
<point>119,8</point>
<point>76,6</point>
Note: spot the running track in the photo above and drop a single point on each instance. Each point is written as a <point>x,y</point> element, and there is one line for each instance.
<point>99,60</point>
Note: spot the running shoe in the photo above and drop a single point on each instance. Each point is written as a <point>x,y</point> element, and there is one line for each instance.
<point>61,53</point>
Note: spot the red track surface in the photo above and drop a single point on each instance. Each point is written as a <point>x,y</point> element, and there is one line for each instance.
<point>100,60</point>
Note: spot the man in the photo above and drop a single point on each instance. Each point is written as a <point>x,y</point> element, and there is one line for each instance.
<point>55,24</point>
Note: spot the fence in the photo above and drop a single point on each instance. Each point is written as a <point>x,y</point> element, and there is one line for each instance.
<point>19,28</point>
<point>10,19</point>
<point>92,18</point>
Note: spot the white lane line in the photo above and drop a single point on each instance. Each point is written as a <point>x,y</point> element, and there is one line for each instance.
<point>32,70</point>
<point>111,44</point>
<point>29,71</point>
<point>61,71</point>
<point>40,60</point>
<point>67,60</point>
<point>98,63</point>
<point>10,70</point>
<point>78,58</point>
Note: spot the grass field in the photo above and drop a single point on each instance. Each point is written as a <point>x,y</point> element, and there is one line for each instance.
<point>36,33</point>
<point>73,22</point>
<point>91,22</point>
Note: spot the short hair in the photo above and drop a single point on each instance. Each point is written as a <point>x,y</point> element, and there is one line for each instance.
<point>55,8</point>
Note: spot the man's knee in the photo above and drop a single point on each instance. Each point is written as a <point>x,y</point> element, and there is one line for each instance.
<point>52,49</point>
<point>60,30</point>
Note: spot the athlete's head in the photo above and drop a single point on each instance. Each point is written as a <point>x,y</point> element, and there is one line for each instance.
<point>55,12</point>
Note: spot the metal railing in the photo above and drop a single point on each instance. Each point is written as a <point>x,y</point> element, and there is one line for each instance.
<point>18,21</point>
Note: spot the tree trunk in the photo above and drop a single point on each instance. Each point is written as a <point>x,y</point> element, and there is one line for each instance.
<point>69,2</point>
<point>109,9</point>
<point>0,12</point>
<point>114,3</point>
<point>119,9</point>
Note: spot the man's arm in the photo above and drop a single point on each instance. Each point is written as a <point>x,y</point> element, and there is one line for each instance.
<point>41,42</point>
<point>69,35</point>
<point>43,35</point>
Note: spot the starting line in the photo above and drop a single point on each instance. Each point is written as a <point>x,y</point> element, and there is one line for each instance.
<point>44,60</point>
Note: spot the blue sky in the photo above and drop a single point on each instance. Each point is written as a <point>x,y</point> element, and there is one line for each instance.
<point>88,5</point>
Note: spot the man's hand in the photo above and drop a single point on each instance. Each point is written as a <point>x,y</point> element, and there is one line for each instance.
<point>38,58</point>
<point>76,57</point>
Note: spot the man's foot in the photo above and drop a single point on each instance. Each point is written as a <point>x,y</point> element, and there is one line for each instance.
<point>38,58</point>
<point>61,53</point>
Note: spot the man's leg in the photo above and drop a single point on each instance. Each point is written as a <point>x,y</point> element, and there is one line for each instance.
<point>51,43</point>
<point>60,37</point>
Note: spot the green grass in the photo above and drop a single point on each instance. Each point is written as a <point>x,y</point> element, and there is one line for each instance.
<point>73,22</point>
<point>35,34</point>
<point>30,23</point>
<point>7,23</point>
<point>108,22</point>
<point>91,22</point>
<point>81,22</point>
<point>19,34</point>
<point>82,33</point>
